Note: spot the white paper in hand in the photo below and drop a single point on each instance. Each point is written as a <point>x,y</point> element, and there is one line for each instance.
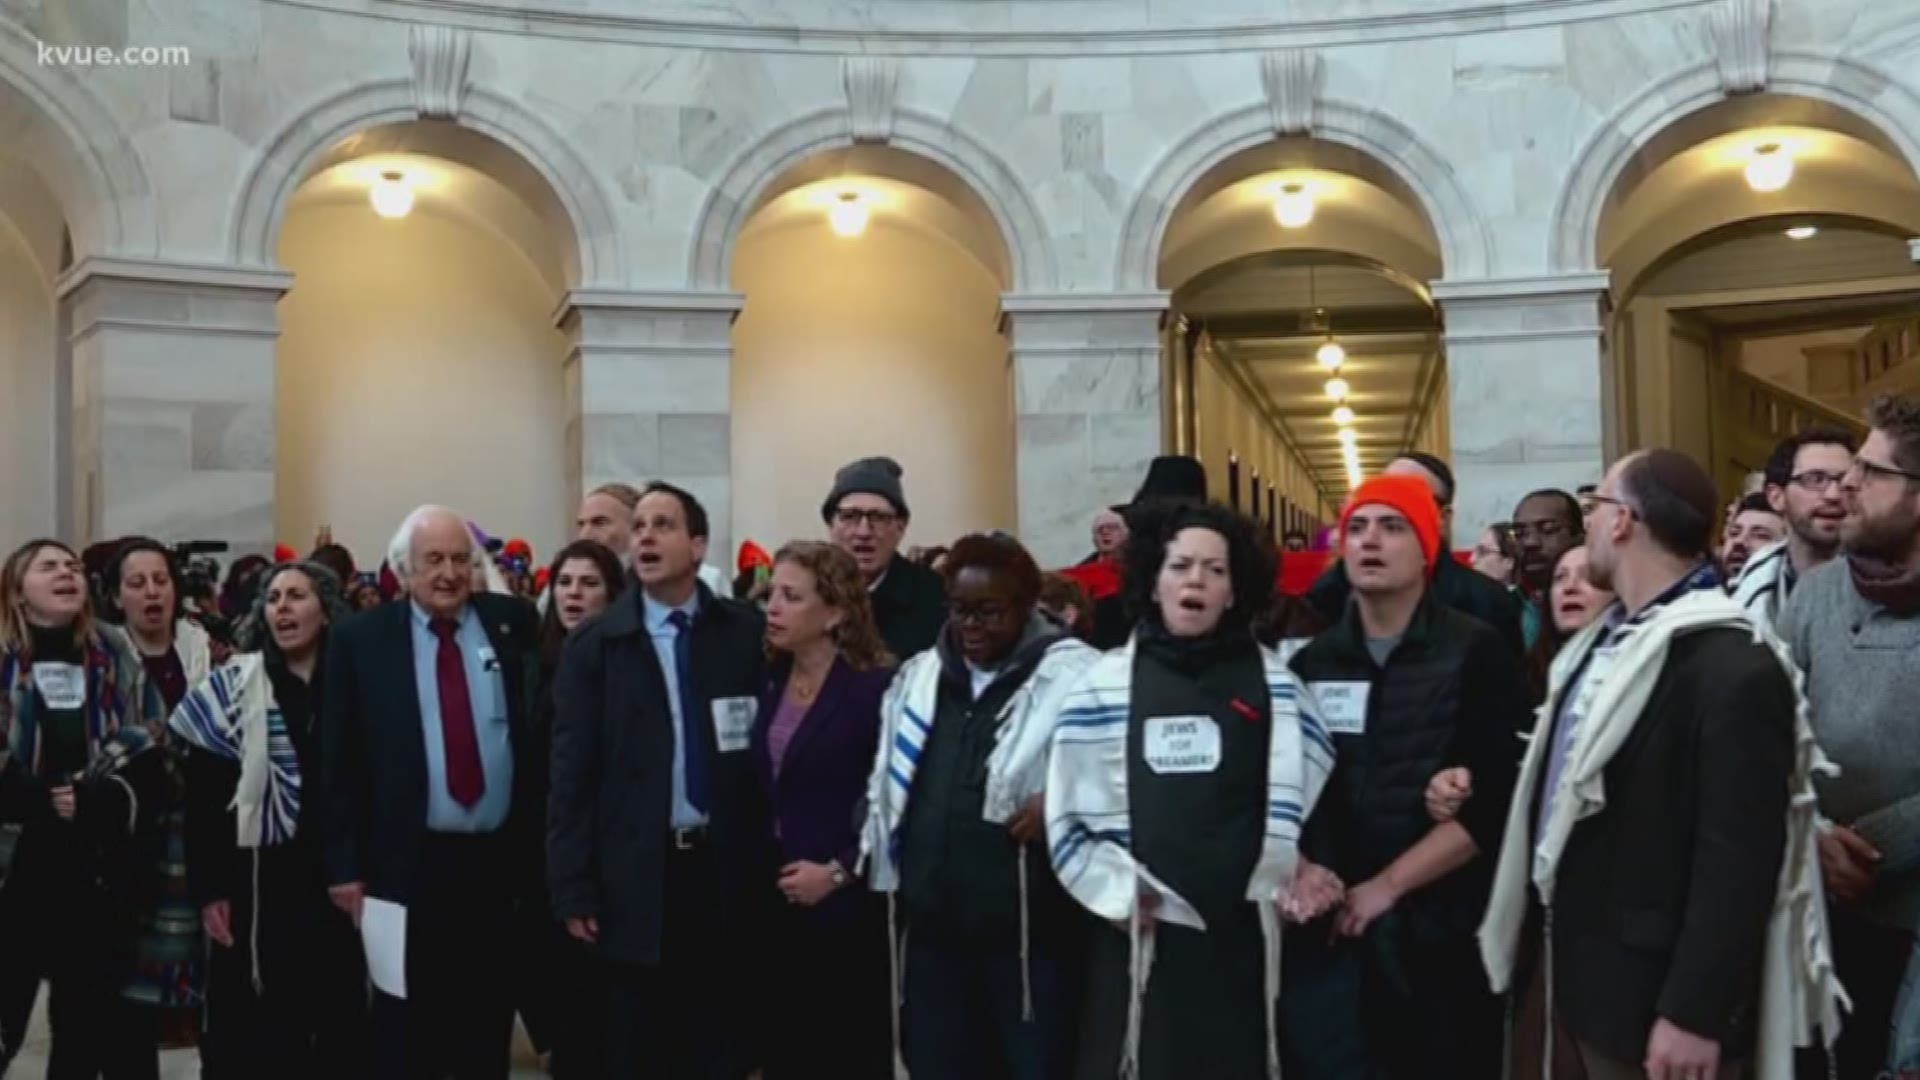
<point>383,930</point>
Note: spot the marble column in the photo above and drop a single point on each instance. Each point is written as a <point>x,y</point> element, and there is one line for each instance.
<point>1525,390</point>
<point>649,395</point>
<point>172,400</point>
<point>1087,404</point>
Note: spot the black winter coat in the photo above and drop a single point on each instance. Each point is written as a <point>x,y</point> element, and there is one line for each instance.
<point>910,607</point>
<point>1454,585</point>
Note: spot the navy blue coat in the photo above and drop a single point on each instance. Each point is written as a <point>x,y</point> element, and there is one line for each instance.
<point>821,792</point>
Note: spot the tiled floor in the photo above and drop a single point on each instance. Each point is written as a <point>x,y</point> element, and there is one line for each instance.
<point>185,1064</point>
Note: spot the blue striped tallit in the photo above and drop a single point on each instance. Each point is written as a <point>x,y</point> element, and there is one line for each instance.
<point>233,714</point>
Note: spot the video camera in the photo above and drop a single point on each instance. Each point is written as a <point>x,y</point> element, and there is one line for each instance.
<point>199,574</point>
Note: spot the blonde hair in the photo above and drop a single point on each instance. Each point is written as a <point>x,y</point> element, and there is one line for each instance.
<point>837,580</point>
<point>14,628</point>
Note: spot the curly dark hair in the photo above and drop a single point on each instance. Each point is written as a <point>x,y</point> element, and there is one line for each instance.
<point>1779,468</point>
<point>997,553</point>
<point>1250,559</point>
<point>552,634</point>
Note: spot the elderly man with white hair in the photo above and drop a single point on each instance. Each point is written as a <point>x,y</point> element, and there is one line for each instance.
<point>425,733</point>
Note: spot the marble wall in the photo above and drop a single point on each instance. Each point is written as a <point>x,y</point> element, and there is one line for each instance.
<point>1079,125</point>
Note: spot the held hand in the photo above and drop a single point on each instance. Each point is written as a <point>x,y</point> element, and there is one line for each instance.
<point>1316,890</point>
<point>807,883</point>
<point>1368,902</point>
<point>1676,1054</point>
<point>216,919</point>
<point>1848,863</point>
<point>1447,792</point>
<point>349,898</point>
<point>1030,823</point>
<point>63,801</point>
<point>586,931</point>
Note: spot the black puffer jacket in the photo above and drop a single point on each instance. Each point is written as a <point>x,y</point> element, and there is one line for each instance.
<point>1451,693</point>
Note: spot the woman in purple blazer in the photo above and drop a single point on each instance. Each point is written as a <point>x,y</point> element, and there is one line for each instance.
<point>813,745</point>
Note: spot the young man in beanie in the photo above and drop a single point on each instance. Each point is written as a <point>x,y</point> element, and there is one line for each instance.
<point>1453,584</point>
<point>1388,985</point>
<point>867,514</point>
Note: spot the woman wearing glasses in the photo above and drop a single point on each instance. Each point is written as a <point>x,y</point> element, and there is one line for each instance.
<point>954,830</point>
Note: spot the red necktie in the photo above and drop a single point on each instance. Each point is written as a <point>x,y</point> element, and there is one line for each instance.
<point>466,779</point>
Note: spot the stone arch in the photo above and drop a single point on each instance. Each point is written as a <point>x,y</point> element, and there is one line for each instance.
<point>82,151</point>
<point>1466,248</point>
<point>597,256</point>
<point>1876,99</point>
<point>744,184</point>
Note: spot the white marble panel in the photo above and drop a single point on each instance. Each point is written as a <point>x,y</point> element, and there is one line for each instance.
<point>233,506</point>
<point>699,445</point>
<point>168,365</point>
<point>623,446</point>
<point>616,382</point>
<point>1052,468</point>
<point>1098,382</point>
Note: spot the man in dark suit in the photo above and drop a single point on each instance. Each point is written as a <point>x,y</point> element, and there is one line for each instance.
<point>657,827</point>
<point>426,713</point>
<point>1634,929</point>
<point>867,514</point>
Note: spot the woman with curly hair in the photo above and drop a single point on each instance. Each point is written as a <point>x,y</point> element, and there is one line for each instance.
<point>818,727</point>
<point>285,986</point>
<point>79,777</point>
<point>1184,765</point>
<point>954,828</point>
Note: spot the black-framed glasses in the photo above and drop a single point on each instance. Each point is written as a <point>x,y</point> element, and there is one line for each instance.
<point>1817,480</point>
<point>1869,467</point>
<point>1523,531</point>
<point>1608,500</point>
<point>875,519</point>
<point>987,614</point>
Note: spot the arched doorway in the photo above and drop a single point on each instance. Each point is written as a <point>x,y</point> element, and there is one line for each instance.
<point>872,280</point>
<point>1762,279</point>
<point>1307,349</point>
<point>418,359</point>
<point>35,382</point>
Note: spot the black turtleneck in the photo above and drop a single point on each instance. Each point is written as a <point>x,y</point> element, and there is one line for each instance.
<point>63,731</point>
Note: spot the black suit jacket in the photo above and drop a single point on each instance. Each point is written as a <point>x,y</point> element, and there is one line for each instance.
<point>609,812</point>
<point>373,759</point>
<point>910,608</point>
<point>1662,899</point>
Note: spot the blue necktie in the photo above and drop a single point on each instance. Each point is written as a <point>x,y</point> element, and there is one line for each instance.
<point>691,749</point>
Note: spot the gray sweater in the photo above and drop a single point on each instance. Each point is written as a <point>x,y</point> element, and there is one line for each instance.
<point>1863,689</point>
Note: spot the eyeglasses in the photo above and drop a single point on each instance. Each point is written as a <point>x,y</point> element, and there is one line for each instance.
<point>1545,530</point>
<point>1817,480</point>
<point>1873,468</point>
<point>875,519</point>
<point>1609,500</point>
<point>989,614</point>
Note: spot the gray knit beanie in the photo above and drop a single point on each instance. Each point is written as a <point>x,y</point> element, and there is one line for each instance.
<point>253,634</point>
<point>868,476</point>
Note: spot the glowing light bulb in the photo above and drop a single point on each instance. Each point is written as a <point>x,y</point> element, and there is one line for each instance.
<point>1770,167</point>
<point>1802,232</point>
<point>1343,416</point>
<point>392,195</point>
<point>849,214</point>
<point>1348,438</point>
<point>1293,206</point>
<point>1331,356</point>
<point>1337,389</point>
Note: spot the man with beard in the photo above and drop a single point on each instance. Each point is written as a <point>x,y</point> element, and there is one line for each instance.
<point>1854,627</point>
<point>1546,525</point>
<point>1804,477</point>
<point>1755,525</point>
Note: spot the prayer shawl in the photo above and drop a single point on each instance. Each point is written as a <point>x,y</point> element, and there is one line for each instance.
<point>233,715</point>
<point>1762,585</point>
<point>169,951</point>
<point>1089,823</point>
<point>114,679</point>
<point>1798,988</point>
<point>1016,770</point>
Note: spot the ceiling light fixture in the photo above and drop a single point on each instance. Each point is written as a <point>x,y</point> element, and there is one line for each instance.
<point>1331,355</point>
<point>1337,389</point>
<point>1293,205</point>
<point>1769,167</point>
<point>392,194</point>
<point>1348,437</point>
<point>1802,232</point>
<point>1343,416</point>
<point>849,214</point>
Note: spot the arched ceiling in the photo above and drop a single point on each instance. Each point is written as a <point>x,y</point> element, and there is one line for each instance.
<point>30,210</point>
<point>903,187</point>
<point>448,188</point>
<point>1689,181</point>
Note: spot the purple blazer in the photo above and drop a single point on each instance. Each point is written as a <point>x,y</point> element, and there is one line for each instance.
<point>822,789</point>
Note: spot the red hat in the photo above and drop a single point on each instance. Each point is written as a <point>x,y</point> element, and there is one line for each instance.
<point>753,557</point>
<point>284,554</point>
<point>1413,498</point>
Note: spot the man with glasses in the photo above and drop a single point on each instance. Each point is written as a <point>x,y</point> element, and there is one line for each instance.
<point>1546,525</point>
<point>1804,475</point>
<point>1854,628</point>
<point>867,514</point>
